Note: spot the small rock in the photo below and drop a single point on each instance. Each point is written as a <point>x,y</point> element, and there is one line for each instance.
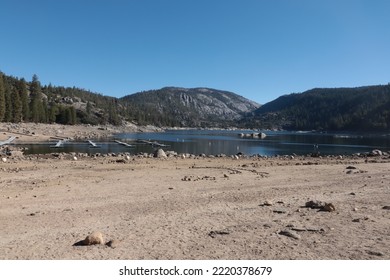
<point>298,229</point>
<point>94,238</point>
<point>280,211</point>
<point>290,234</point>
<point>268,203</point>
<point>386,207</point>
<point>375,253</point>
<point>4,159</point>
<point>113,243</point>
<point>75,158</point>
<point>214,233</point>
<point>225,176</point>
<point>323,206</point>
<point>186,178</point>
<point>315,204</point>
<point>376,153</point>
<point>351,167</point>
<point>329,207</point>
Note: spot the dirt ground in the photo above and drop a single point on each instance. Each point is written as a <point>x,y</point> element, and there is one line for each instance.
<point>206,208</point>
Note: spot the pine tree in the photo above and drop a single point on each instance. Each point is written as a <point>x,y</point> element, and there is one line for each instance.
<point>16,106</point>
<point>53,112</point>
<point>22,89</point>
<point>8,102</point>
<point>2,98</point>
<point>37,110</point>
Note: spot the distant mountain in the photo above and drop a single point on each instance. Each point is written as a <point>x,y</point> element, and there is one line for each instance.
<point>195,107</point>
<point>358,109</point>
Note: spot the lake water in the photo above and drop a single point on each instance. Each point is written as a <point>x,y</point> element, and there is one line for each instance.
<point>213,142</point>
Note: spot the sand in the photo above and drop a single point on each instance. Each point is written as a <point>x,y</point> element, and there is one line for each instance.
<point>194,208</point>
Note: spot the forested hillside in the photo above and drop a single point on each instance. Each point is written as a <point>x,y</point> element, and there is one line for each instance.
<point>355,109</point>
<point>22,101</point>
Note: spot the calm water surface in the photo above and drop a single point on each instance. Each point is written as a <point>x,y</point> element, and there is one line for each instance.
<point>212,142</point>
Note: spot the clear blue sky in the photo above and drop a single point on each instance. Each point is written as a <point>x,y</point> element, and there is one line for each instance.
<point>260,49</point>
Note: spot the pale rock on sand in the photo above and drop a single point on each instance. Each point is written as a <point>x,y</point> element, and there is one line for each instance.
<point>94,238</point>
<point>160,154</point>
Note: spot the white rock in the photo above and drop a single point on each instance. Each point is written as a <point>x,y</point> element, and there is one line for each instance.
<point>4,159</point>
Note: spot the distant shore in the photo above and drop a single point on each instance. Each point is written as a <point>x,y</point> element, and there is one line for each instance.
<point>38,132</point>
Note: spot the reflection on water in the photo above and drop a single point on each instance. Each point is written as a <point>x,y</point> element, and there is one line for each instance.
<point>213,142</point>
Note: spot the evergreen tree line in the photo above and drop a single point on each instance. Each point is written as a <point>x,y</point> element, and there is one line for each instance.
<point>22,101</point>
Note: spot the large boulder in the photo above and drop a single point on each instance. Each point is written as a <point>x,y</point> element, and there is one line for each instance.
<point>160,154</point>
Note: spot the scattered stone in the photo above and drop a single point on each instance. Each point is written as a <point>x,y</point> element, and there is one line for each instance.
<point>329,207</point>
<point>289,233</point>
<point>186,178</point>
<point>4,159</point>
<point>315,204</point>
<point>18,154</point>
<point>94,238</point>
<point>355,209</point>
<point>315,229</point>
<point>225,176</point>
<point>356,220</point>
<point>298,229</point>
<point>214,233</point>
<point>280,211</point>
<point>160,154</point>
<point>386,207</point>
<point>376,153</point>
<point>351,167</point>
<point>75,158</point>
<point>322,206</point>
<point>113,243</point>
<point>375,253</point>
<point>352,193</point>
<point>268,203</point>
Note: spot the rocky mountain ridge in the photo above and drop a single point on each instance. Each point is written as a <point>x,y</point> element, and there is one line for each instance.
<point>190,106</point>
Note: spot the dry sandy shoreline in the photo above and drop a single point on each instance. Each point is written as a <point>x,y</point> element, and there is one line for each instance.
<point>38,133</point>
<point>193,208</point>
